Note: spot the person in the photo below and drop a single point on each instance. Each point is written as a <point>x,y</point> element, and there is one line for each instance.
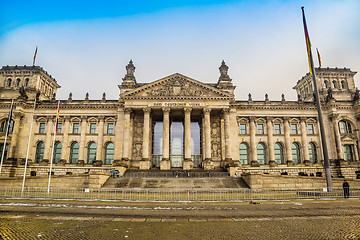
<point>346,187</point>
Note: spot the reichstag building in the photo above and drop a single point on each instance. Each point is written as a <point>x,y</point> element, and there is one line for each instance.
<point>178,123</point>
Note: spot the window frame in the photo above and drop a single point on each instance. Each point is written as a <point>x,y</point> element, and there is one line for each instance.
<point>92,129</point>
<point>262,154</point>
<point>72,159</point>
<point>77,128</point>
<point>243,128</point>
<point>277,128</point>
<point>42,127</point>
<point>244,161</point>
<point>107,160</point>
<point>91,153</point>
<point>279,153</point>
<point>261,129</point>
<point>39,153</point>
<point>310,130</point>
<point>110,130</point>
<point>294,130</point>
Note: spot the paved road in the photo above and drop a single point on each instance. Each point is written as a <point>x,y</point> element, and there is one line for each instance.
<point>336,219</point>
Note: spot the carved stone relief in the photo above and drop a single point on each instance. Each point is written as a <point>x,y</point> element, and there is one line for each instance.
<point>215,137</point>
<point>178,87</point>
<point>137,137</point>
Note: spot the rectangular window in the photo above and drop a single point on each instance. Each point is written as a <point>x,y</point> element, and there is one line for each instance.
<point>277,129</point>
<point>260,128</point>
<point>76,128</point>
<point>310,128</point>
<point>59,128</point>
<point>110,128</point>
<point>42,128</point>
<point>92,127</point>
<point>294,129</point>
<point>242,128</point>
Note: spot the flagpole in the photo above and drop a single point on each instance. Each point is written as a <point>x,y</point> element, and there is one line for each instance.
<point>8,125</point>
<point>27,152</point>
<point>52,151</point>
<point>318,104</point>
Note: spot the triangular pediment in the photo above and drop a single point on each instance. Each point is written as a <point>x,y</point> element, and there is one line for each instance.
<point>176,86</point>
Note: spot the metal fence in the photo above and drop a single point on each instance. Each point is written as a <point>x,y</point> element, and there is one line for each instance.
<point>148,195</point>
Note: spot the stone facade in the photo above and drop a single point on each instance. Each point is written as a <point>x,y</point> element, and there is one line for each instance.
<point>178,122</point>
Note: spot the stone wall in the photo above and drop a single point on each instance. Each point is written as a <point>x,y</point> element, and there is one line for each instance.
<point>66,181</point>
<point>284,181</point>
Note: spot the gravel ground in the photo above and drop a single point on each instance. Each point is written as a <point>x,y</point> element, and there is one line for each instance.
<point>27,219</point>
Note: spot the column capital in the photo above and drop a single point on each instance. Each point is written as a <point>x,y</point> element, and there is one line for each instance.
<point>269,119</point>
<point>207,110</point>
<point>166,109</point>
<point>287,119</point>
<point>252,118</point>
<point>187,110</point>
<point>66,118</point>
<point>101,117</point>
<point>127,110</point>
<point>146,110</point>
<point>226,110</point>
<point>303,119</point>
<point>333,116</point>
<point>83,117</point>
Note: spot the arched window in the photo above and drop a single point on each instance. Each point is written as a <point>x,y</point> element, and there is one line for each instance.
<point>74,152</point>
<point>26,82</point>
<point>109,153</point>
<point>57,152</point>
<point>261,153</point>
<point>326,84</point>
<point>6,149</point>
<point>9,82</point>
<point>279,156</point>
<point>18,82</point>
<point>244,153</point>
<point>348,153</point>
<point>334,84</point>
<point>39,156</point>
<point>343,85</point>
<point>345,127</point>
<point>295,152</point>
<point>3,126</point>
<point>312,153</point>
<point>91,153</point>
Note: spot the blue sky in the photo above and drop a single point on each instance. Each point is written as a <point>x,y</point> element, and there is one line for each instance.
<point>86,45</point>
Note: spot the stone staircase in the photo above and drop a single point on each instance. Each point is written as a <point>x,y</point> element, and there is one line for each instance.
<point>175,180</point>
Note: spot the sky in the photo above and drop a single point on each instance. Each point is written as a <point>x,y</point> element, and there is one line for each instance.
<point>86,45</point>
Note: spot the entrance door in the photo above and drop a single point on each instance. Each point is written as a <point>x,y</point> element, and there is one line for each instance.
<point>176,144</point>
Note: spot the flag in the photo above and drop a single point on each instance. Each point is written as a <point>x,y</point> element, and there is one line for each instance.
<point>35,56</point>
<point>8,128</point>
<point>307,39</point>
<point>318,54</point>
<point>57,118</point>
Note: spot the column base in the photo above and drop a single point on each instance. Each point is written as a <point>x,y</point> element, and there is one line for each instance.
<point>44,162</point>
<point>125,162</point>
<point>343,163</point>
<point>188,164</point>
<point>307,163</point>
<point>290,163</point>
<point>272,163</point>
<point>165,164</point>
<point>80,163</point>
<point>145,164</point>
<point>254,164</point>
<point>208,164</point>
<point>227,162</point>
<point>61,162</point>
<point>97,163</point>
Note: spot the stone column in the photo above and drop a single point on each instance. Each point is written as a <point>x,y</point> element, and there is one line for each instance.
<point>188,164</point>
<point>208,164</point>
<point>253,145</point>
<point>119,133</point>
<point>269,124</point>
<point>165,162</point>
<point>48,139</point>
<point>64,144</point>
<point>289,160</point>
<point>228,159</point>
<point>304,142</point>
<point>14,136</point>
<point>100,139</point>
<point>126,139</point>
<point>145,163</point>
<point>82,145</point>
<point>339,146</point>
